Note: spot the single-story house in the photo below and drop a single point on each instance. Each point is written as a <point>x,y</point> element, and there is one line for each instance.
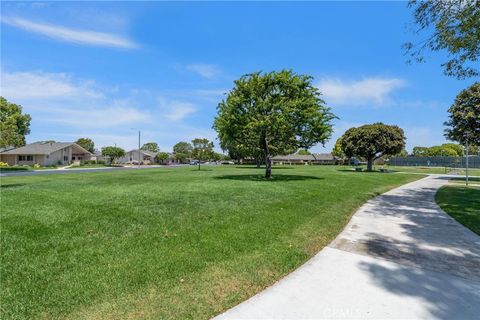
<point>314,158</point>
<point>45,153</point>
<point>133,156</point>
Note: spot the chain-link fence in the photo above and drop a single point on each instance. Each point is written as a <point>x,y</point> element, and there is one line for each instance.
<point>453,162</point>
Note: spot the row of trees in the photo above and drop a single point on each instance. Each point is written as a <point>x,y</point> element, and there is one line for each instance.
<point>446,149</point>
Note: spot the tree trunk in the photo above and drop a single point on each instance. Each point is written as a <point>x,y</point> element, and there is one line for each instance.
<point>369,164</point>
<point>199,165</point>
<point>268,161</point>
<point>268,167</point>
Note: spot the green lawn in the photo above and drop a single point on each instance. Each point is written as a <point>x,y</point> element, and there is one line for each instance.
<point>462,203</point>
<point>169,242</point>
<point>429,170</point>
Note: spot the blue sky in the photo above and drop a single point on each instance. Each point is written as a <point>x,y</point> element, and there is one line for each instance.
<point>104,69</point>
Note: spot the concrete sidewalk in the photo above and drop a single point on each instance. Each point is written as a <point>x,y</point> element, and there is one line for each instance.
<point>400,257</point>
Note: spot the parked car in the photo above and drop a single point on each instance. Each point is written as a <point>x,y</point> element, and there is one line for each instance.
<point>227,162</point>
<point>193,162</point>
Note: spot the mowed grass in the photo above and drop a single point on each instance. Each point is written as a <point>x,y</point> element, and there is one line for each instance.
<point>168,243</point>
<point>432,170</point>
<point>462,203</point>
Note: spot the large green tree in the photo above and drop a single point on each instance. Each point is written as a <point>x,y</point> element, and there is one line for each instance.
<point>337,149</point>
<point>183,151</point>
<point>113,153</point>
<point>14,125</point>
<point>452,26</point>
<point>271,114</point>
<point>150,146</point>
<point>373,141</point>
<point>464,119</point>
<point>202,150</point>
<point>87,144</point>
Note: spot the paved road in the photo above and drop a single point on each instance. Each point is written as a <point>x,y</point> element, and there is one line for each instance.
<point>400,257</point>
<point>83,170</point>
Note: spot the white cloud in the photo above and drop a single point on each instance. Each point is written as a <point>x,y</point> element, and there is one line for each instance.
<point>85,37</point>
<point>208,71</point>
<point>373,90</point>
<point>60,98</point>
<point>41,85</point>
<point>176,110</point>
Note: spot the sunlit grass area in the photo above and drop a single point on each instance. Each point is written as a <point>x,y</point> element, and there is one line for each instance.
<point>166,243</point>
<point>462,202</point>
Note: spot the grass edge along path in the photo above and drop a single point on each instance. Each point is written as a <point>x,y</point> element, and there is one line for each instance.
<point>461,203</point>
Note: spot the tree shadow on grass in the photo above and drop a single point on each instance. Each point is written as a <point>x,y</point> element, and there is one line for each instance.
<point>13,185</point>
<point>275,178</point>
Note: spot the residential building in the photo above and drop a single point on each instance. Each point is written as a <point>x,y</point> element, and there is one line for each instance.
<point>45,153</point>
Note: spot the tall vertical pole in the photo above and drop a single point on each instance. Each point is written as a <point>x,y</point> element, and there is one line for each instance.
<point>466,165</point>
<point>138,148</point>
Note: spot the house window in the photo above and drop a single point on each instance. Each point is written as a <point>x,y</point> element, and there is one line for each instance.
<point>25,158</point>
<point>65,158</point>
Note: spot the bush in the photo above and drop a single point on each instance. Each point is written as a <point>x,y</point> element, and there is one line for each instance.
<point>100,161</point>
<point>3,164</point>
<point>36,166</point>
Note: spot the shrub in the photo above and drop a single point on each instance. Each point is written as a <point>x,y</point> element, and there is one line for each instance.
<point>36,166</point>
<point>3,164</point>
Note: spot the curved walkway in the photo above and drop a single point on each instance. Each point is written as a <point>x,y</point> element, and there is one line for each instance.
<point>400,256</point>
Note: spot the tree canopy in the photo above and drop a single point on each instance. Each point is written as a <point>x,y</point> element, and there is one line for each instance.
<point>183,147</point>
<point>202,150</point>
<point>337,149</point>
<point>150,146</point>
<point>87,144</point>
<point>454,26</point>
<point>303,152</point>
<point>162,157</point>
<point>464,118</point>
<point>270,114</point>
<point>446,149</point>
<point>14,125</point>
<point>113,153</point>
<point>373,141</point>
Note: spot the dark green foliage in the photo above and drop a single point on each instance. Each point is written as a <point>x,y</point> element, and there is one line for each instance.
<point>373,141</point>
<point>87,144</point>
<point>183,147</point>
<point>150,146</point>
<point>454,27</point>
<point>464,118</point>
<point>14,125</point>
<point>268,114</point>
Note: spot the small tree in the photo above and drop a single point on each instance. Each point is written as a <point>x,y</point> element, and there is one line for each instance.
<point>181,157</point>
<point>337,151</point>
<point>303,152</point>
<point>162,157</point>
<point>373,141</point>
<point>14,125</point>
<point>202,150</point>
<point>150,146</point>
<point>87,144</point>
<point>464,120</point>
<point>272,113</point>
<point>113,153</point>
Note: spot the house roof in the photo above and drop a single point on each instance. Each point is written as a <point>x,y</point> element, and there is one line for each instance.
<point>146,152</point>
<point>309,157</point>
<point>44,147</point>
